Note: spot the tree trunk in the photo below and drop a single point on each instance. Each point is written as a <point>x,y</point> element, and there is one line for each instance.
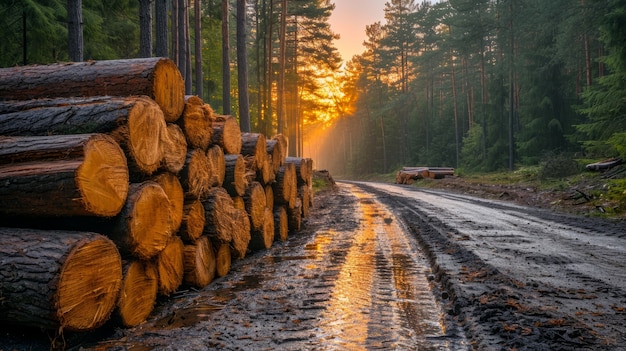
<point>282,62</point>
<point>157,78</point>
<point>196,175</point>
<point>196,122</point>
<point>217,163</point>
<point>222,259</point>
<point>75,29</point>
<point>242,67</point>
<point>58,280</point>
<point>198,47</point>
<point>175,194</point>
<point>143,227</point>
<point>77,175</point>
<point>241,234</point>
<point>160,14</point>
<point>182,41</point>
<point>170,266</point>
<point>145,28</point>
<point>193,221</point>
<point>138,293</point>
<point>218,211</point>
<point>227,134</point>
<point>281,223</point>
<point>255,204</point>
<point>225,59</point>
<point>199,263</point>
<point>235,181</point>
<point>136,123</point>
<point>174,148</point>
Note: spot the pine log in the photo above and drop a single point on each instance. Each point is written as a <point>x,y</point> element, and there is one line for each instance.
<point>303,170</point>
<point>284,145</point>
<point>170,266</point>
<point>241,234</point>
<point>58,280</point>
<point>174,147</point>
<point>218,209</point>
<point>269,197</point>
<point>158,78</point>
<point>266,174</point>
<point>193,221</point>
<point>199,263</point>
<point>138,294</point>
<point>255,204</point>
<point>227,134</point>
<point>254,144</point>
<point>294,213</point>
<point>144,226</point>
<point>222,259</point>
<point>239,203</point>
<point>235,180</point>
<point>94,182</point>
<point>136,123</point>
<point>176,196</point>
<point>217,164</point>
<point>275,154</point>
<point>285,186</point>
<point>281,223</point>
<point>304,194</point>
<point>196,123</point>
<point>196,175</point>
<point>263,238</point>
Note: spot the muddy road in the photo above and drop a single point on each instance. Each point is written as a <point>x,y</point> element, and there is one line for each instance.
<point>382,267</point>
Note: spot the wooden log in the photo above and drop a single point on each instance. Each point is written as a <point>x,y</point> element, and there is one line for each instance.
<point>218,209</point>
<point>196,175</point>
<point>158,78</point>
<point>235,180</point>
<point>254,145</point>
<point>222,259</point>
<point>58,280</point>
<point>176,196</point>
<point>138,293</point>
<point>275,153</point>
<point>281,223</point>
<point>284,145</point>
<point>169,263</point>
<point>143,227</point>
<point>196,123</point>
<point>304,194</point>
<point>285,185</point>
<point>269,196</point>
<point>217,164</point>
<point>94,182</point>
<point>255,204</point>
<point>303,173</point>
<point>266,174</point>
<point>239,203</point>
<point>137,123</point>
<point>227,134</point>
<point>294,213</point>
<point>199,263</point>
<point>193,221</point>
<point>241,234</point>
<point>174,146</point>
<point>263,238</point>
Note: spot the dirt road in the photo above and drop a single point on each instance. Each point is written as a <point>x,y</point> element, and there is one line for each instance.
<point>381,267</point>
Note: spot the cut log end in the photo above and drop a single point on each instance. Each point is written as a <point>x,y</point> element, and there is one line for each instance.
<point>199,263</point>
<point>146,126</point>
<point>222,259</point>
<point>169,89</point>
<point>138,294</point>
<point>170,266</point>
<point>174,148</point>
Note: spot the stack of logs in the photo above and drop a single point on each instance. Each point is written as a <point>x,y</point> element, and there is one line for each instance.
<point>116,187</point>
<point>409,174</point>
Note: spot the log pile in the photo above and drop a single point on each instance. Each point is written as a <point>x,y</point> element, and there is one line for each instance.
<point>117,188</point>
<point>407,175</point>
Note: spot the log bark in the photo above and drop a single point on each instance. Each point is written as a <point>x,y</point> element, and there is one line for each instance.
<point>193,221</point>
<point>196,175</point>
<point>255,204</point>
<point>170,267</point>
<point>222,259</point>
<point>227,134</point>
<point>158,78</point>
<point>219,209</point>
<point>136,123</point>
<point>254,145</point>
<point>235,180</point>
<point>58,280</point>
<point>281,223</point>
<point>285,185</point>
<point>138,294</point>
<point>176,196</point>
<point>174,145</point>
<point>199,263</point>
<point>263,238</point>
<point>196,123</point>
<point>217,164</point>
<point>241,234</point>
<point>144,226</point>
<point>275,154</point>
<point>92,182</point>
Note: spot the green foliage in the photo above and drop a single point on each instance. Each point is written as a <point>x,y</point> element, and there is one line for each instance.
<point>558,165</point>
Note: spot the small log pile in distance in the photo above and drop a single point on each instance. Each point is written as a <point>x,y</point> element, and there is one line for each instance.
<point>118,188</point>
<point>407,175</point>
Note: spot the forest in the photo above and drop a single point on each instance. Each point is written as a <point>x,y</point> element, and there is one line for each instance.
<point>479,85</point>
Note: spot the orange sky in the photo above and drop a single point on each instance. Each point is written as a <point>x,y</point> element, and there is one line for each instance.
<point>349,20</point>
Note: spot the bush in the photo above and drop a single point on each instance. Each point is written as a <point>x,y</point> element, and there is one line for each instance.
<point>559,165</point>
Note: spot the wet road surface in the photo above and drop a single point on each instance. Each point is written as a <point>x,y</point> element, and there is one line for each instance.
<point>358,282</point>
